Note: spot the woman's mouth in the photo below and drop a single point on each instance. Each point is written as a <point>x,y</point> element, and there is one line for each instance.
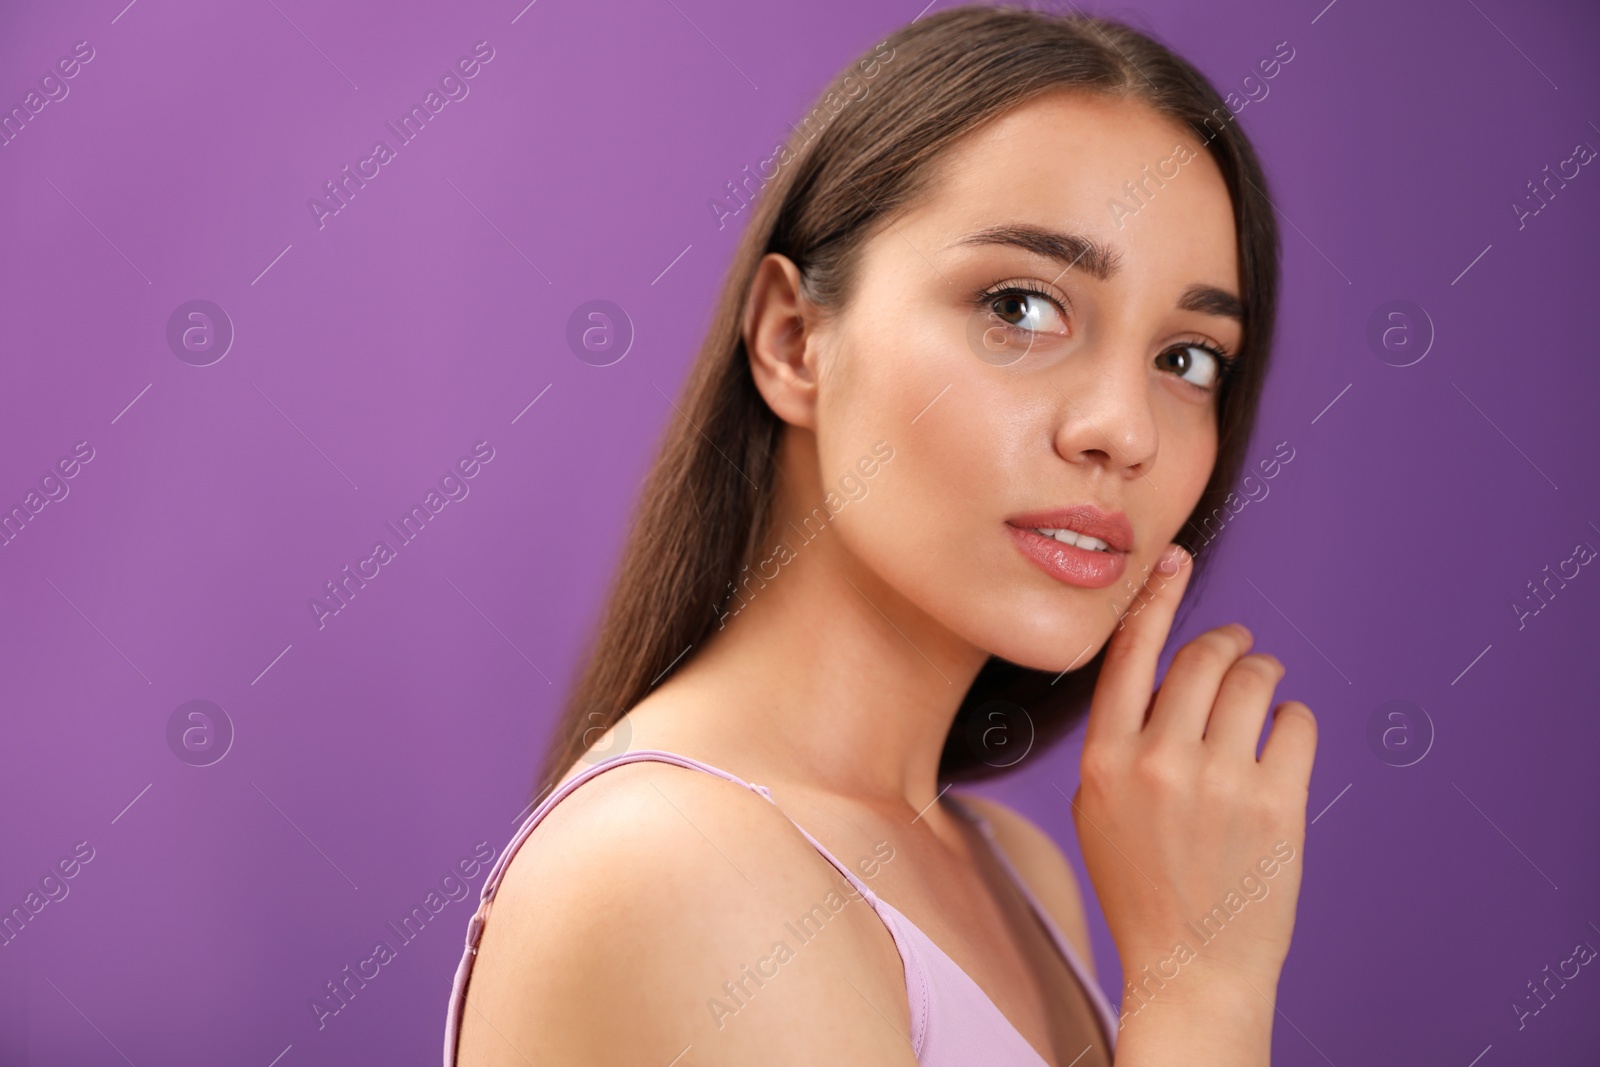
<point>1067,556</point>
<point>1070,537</point>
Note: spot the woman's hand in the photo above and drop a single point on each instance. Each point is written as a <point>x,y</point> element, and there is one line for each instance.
<point>1194,846</point>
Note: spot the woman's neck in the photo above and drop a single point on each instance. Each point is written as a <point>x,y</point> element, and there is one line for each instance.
<point>819,672</point>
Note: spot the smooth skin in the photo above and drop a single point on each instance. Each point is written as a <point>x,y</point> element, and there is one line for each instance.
<point>646,890</point>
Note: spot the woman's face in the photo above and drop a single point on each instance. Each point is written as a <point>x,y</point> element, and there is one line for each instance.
<point>1035,335</point>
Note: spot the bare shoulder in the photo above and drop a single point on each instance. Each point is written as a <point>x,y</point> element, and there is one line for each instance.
<point>1043,866</point>
<point>659,908</point>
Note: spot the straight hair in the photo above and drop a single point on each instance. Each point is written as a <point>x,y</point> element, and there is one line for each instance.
<point>699,519</point>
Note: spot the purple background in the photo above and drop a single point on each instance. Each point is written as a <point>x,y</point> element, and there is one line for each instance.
<point>372,353</point>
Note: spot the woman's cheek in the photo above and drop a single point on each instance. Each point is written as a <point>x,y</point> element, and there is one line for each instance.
<point>1199,457</point>
<point>898,526</point>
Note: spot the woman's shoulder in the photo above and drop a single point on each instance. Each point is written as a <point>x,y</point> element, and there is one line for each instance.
<point>640,842</point>
<point>1042,865</point>
<point>650,809</point>
<point>651,907</point>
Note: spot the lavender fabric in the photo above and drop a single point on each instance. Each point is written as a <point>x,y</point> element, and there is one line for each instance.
<point>953,1022</point>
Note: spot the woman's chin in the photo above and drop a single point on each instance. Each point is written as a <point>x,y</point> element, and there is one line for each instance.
<point>1055,646</point>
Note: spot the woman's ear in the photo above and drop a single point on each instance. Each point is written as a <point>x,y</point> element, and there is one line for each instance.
<point>779,328</point>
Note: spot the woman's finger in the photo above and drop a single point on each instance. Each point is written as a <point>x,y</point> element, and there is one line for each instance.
<point>1243,702</point>
<point>1128,673</point>
<point>1292,744</point>
<point>1189,691</point>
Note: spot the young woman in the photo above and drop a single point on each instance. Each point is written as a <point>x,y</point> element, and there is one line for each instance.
<point>993,339</point>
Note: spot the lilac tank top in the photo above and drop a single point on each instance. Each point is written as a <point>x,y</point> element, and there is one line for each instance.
<point>953,1022</point>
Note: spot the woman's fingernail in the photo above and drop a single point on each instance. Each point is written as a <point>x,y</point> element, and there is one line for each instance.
<point>1168,563</point>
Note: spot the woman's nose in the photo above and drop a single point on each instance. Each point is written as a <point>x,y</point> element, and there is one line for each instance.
<point>1106,417</point>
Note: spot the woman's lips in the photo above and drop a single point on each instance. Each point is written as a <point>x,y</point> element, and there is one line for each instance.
<point>1069,563</point>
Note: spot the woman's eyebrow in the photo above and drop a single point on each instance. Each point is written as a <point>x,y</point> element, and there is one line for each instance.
<point>1069,249</point>
<point>1098,260</point>
<point>1209,300</point>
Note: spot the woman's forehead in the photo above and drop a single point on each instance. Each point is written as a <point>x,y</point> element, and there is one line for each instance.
<point>1136,186</point>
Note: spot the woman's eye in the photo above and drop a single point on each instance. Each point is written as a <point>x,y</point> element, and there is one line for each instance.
<point>1028,311</point>
<point>1012,321</point>
<point>1204,363</point>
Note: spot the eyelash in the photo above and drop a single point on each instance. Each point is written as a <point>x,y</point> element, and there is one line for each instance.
<point>1226,361</point>
<point>985,297</point>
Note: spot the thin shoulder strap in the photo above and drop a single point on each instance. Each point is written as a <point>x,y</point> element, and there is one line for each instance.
<point>860,887</point>
<point>1108,1014</point>
<point>985,827</point>
<point>491,884</point>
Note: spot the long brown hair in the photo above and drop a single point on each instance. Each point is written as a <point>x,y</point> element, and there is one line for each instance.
<point>706,499</point>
